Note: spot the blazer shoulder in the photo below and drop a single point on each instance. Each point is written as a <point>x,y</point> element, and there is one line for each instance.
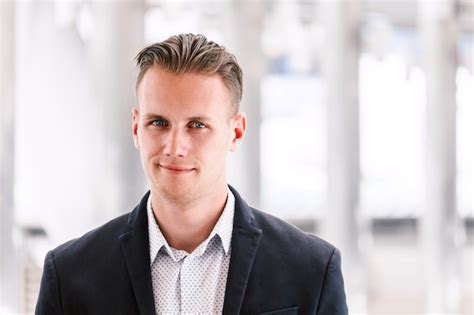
<point>290,238</point>
<point>102,237</point>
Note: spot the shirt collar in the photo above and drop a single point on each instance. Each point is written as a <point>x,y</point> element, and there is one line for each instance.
<point>223,229</point>
<point>156,238</point>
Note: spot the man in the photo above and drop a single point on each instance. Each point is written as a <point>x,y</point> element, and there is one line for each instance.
<point>192,245</point>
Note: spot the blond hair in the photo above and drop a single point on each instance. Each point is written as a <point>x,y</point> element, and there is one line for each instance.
<point>186,53</point>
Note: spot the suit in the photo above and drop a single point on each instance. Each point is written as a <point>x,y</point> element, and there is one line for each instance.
<point>275,269</point>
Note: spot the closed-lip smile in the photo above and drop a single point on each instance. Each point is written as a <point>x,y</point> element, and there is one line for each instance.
<point>176,168</point>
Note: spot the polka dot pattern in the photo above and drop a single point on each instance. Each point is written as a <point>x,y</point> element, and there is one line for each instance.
<point>191,283</point>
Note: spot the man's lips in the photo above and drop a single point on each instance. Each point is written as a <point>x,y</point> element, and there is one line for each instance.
<point>176,169</point>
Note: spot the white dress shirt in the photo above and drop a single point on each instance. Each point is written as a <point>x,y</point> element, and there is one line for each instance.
<point>191,283</point>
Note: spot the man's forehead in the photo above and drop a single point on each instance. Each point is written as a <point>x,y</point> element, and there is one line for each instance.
<point>168,85</point>
<point>196,95</point>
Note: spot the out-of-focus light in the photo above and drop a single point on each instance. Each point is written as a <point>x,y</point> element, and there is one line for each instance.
<point>65,13</point>
<point>84,23</point>
<point>167,20</point>
<point>377,35</point>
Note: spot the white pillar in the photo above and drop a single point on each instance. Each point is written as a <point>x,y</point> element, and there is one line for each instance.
<point>118,35</point>
<point>441,230</point>
<point>341,72</point>
<point>245,31</point>
<point>9,273</point>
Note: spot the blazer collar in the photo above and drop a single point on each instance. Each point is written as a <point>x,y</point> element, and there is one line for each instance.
<point>244,244</point>
<point>135,246</point>
<point>245,241</point>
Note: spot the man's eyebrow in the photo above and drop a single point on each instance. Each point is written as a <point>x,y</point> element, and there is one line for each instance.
<point>148,116</point>
<point>200,118</point>
<point>152,116</point>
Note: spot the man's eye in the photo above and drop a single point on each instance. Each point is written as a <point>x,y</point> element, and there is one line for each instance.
<point>159,123</point>
<point>198,125</point>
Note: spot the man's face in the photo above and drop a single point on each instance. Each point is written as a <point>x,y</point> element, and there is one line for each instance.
<point>184,130</point>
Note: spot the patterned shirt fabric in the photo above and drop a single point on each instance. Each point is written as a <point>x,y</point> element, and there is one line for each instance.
<point>191,283</point>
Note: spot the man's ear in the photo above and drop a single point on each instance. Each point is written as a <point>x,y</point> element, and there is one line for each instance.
<point>136,116</point>
<point>239,126</point>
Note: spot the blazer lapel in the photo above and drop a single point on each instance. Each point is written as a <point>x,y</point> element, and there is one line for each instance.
<point>135,246</point>
<point>245,241</point>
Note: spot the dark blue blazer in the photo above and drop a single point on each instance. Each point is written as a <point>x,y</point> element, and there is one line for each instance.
<point>275,268</point>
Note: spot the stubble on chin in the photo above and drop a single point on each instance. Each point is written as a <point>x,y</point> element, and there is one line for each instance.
<point>176,193</point>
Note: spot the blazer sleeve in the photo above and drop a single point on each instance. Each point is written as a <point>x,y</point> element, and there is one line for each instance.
<point>49,301</point>
<point>333,298</point>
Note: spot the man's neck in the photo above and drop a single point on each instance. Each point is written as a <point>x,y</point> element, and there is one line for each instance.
<point>186,225</point>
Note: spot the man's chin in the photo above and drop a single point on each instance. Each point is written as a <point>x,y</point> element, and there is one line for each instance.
<point>177,192</point>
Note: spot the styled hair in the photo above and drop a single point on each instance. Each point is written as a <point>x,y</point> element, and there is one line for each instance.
<point>189,53</point>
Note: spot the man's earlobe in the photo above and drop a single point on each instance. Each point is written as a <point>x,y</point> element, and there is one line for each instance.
<point>239,128</point>
<point>135,142</point>
<point>135,127</point>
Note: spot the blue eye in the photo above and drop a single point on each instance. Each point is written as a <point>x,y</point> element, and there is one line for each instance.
<point>159,123</point>
<point>198,125</point>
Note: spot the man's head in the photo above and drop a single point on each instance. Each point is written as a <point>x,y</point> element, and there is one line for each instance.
<point>187,119</point>
<point>189,53</point>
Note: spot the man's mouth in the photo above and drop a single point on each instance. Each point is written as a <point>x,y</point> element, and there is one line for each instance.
<point>176,169</point>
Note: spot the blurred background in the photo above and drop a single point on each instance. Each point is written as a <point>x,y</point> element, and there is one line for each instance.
<point>361,119</point>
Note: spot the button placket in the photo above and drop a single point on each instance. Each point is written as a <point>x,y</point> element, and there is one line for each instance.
<point>188,282</point>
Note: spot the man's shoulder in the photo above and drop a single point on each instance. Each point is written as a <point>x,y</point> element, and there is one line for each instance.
<point>101,239</point>
<point>281,235</point>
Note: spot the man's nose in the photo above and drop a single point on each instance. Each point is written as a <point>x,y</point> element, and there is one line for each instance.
<point>176,144</point>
